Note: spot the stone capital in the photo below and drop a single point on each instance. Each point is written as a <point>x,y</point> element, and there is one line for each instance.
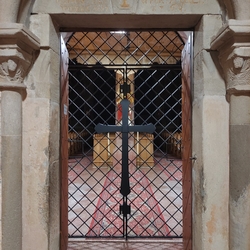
<point>18,47</point>
<point>233,44</point>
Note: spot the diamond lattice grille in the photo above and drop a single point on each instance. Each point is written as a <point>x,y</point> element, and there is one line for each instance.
<point>101,65</point>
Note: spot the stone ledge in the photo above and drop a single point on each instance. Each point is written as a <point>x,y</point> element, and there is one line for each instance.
<point>12,86</point>
<point>234,31</point>
<point>17,53</point>
<point>15,33</point>
<point>239,90</point>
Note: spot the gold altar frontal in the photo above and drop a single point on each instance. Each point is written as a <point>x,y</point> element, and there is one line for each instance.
<point>105,145</point>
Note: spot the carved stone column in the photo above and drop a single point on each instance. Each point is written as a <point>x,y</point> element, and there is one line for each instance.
<point>17,48</point>
<point>233,44</point>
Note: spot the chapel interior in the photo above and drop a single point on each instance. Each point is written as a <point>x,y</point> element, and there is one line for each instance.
<point>143,67</point>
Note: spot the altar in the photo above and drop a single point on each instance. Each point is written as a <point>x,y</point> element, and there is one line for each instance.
<point>106,144</point>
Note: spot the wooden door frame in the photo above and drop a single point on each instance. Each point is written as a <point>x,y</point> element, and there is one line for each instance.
<point>186,158</point>
<point>187,61</point>
<point>64,147</point>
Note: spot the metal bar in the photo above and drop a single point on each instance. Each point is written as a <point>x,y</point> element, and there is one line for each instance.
<point>90,67</point>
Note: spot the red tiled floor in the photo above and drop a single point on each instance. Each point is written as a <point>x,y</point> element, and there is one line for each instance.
<point>151,175</point>
<point>129,245</point>
<point>165,174</point>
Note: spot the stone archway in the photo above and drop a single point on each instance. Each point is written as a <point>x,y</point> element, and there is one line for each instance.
<point>200,176</point>
<point>200,180</point>
<point>41,136</point>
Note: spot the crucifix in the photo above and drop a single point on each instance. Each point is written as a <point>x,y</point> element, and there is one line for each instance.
<point>125,128</point>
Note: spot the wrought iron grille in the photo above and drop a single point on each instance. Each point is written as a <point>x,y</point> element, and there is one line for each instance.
<point>103,67</point>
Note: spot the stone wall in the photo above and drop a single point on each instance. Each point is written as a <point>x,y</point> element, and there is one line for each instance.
<point>32,139</point>
<point>210,142</point>
<point>41,141</point>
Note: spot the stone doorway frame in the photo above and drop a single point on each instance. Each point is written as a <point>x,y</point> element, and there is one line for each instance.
<point>187,216</point>
<point>210,218</point>
<point>212,97</point>
<point>187,235</point>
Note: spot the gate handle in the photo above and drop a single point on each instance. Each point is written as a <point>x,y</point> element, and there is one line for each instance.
<point>193,158</point>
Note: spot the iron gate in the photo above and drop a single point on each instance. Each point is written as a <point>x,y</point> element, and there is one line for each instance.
<point>106,67</point>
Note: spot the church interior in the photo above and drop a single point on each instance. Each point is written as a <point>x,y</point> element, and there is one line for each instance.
<point>105,68</point>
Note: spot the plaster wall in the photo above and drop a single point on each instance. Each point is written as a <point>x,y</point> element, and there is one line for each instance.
<point>127,13</point>
<point>210,143</point>
<point>173,7</point>
<point>41,142</point>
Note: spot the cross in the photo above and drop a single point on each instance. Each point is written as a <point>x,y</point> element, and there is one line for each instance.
<point>125,129</point>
